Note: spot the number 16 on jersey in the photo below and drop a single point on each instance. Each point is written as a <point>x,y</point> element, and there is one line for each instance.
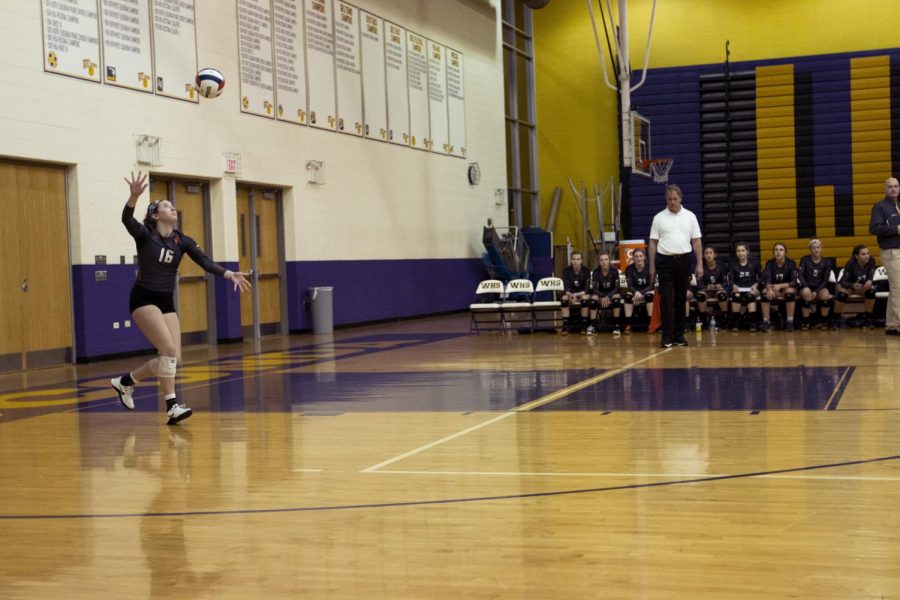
<point>166,255</point>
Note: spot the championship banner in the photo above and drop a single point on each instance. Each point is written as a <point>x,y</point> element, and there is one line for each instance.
<point>175,49</point>
<point>290,61</point>
<point>320,63</point>
<point>127,53</point>
<point>374,76</point>
<point>72,38</point>
<point>417,86</point>
<point>255,54</point>
<point>347,69</point>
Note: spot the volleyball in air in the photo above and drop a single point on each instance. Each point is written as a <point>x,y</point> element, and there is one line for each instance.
<point>210,83</point>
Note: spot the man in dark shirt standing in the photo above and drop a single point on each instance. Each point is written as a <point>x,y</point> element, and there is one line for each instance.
<point>885,225</point>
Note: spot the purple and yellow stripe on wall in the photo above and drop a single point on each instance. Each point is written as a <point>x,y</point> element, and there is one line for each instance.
<point>826,136</point>
<point>817,128</point>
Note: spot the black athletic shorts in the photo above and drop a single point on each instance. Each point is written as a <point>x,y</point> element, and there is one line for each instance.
<point>164,301</point>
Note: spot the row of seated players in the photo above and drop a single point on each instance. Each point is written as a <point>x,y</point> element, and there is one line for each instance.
<point>743,284</point>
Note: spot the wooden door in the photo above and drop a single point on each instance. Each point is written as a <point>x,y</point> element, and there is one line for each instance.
<point>35,293</point>
<point>258,227</point>
<point>192,287</point>
<point>12,325</point>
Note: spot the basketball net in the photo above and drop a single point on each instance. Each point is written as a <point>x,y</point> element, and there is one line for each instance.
<point>659,168</point>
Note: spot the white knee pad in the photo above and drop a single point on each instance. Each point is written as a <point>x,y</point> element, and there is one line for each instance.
<point>167,366</point>
<point>154,366</point>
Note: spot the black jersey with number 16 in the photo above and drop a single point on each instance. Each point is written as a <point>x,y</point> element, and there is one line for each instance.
<point>159,257</point>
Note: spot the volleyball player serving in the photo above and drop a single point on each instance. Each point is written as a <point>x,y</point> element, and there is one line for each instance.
<point>160,248</point>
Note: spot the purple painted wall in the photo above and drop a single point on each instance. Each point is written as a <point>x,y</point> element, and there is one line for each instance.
<point>671,100</point>
<point>383,289</point>
<point>363,291</point>
<point>97,305</point>
<point>228,307</point>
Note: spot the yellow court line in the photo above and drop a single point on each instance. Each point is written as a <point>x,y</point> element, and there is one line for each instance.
<point>530,405</point>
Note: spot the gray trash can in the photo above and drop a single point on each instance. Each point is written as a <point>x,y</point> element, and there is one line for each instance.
<point>320,304</point>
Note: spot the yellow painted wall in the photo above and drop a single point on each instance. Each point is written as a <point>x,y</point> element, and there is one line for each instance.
<point>576,112</point>
<point>577,129</point>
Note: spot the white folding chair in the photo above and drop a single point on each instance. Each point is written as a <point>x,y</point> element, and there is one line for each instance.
<point>548,312</point>
<point>881,283</point>
<point>485,310</point>
<point>516,308</point>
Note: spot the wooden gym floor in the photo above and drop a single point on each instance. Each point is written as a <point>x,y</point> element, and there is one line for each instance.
<point>414,460</point>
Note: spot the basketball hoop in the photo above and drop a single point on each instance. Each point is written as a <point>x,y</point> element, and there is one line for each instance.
<point>658,168</point>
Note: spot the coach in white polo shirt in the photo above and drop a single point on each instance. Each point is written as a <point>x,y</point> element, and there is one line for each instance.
<point>674,233</point>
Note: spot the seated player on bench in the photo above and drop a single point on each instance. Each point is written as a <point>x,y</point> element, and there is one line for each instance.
<point>813,275</point>
<point>575,285</point>
<point>711,286</point>
<point>857,281</point>
<point>640,287</point>
<point>745,275</point>
<point>605,293</point>
<point>780,285</point>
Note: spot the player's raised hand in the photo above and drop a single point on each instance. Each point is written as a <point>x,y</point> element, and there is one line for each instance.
<point>137,184</point>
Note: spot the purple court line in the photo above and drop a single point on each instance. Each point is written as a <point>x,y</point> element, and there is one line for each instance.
<point>635,486</point>
<point>152,393</point>
<point>404,341</point>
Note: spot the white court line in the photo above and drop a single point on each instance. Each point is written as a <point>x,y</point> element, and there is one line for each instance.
<point>837,387</point>
<point>307,470</point>
<point>389,461</point>
<point>528,406</point>
<point>638,475</point>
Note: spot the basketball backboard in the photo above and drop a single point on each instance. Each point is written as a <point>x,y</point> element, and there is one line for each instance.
<point>637,150</point>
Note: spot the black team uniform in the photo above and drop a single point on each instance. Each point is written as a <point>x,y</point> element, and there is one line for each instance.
<point>607,286</point>
<point>854,273</point>
<point>638,281</point>
<point>158,260</point>
<point>814,275</point>
<point>787,273</point>
<point>743,276</point>
<point>717,275</point>
<point>576,282</point>
<point>158,257</point>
